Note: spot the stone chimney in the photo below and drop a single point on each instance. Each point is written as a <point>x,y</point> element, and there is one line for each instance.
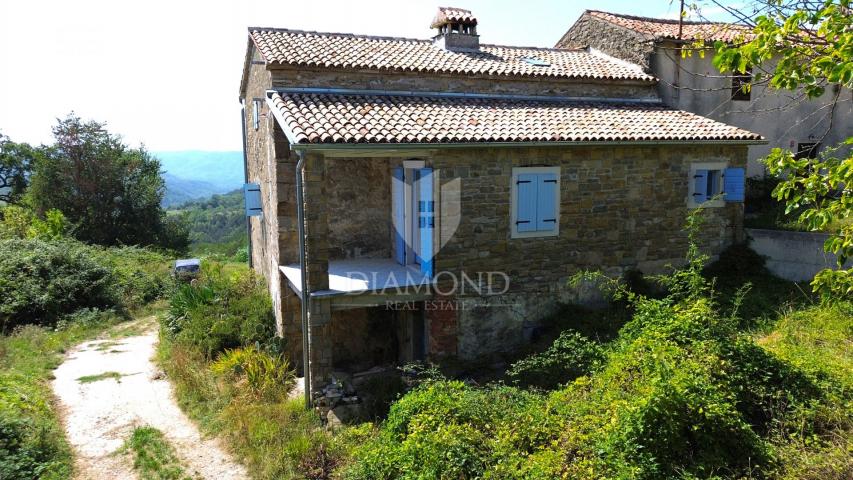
<point>457,30</point>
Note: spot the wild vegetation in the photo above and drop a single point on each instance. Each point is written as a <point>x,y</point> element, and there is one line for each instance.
<point>683,391</point>
<point>806,47</point>
<point>57,290</point>
<point>218,348</point>
<point>704,378</point>
<point>153,457</point>
<point>217,225</point>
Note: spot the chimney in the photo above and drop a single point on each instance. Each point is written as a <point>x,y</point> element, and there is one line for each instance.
<point>456,30</point>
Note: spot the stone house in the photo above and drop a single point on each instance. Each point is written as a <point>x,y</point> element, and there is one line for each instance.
<point>693,84</point>
<point>424,199</point>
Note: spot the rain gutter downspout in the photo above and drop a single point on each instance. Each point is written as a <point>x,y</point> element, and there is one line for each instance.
<point>305,293</point>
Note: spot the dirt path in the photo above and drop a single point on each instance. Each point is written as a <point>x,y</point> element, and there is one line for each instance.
<point>100,414</point>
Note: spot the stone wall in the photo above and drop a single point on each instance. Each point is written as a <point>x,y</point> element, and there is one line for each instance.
<point>621,208</point>
<point>611,39</point>
<point>794,256</point>
<point>262,151</point>
<point>402,81</point>
<point>359,202</point>
<point>363,338</point>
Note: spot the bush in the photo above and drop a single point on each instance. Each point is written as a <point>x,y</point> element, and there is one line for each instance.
<point>681,393</point>
<point>140,275</point>
<point>445,429</point>
<point>274,436</point>
<point>569,357</point>
<point>26,450</point>
<point>222,311</point>
<point>20,222</point>
<point>41,281</point>
<point>265,375</point>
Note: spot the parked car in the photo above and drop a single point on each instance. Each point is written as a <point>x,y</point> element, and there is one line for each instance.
<point>186,269</point>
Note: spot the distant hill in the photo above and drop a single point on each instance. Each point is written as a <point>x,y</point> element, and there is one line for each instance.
<point>194,174</point>
<point>181,190</point>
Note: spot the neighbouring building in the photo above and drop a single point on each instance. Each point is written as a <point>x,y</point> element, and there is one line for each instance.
<point>451,188</point>
<point>692,83</point>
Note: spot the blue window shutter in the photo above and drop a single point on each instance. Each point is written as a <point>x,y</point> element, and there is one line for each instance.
<point>252,199</point>
<point>526,186</point>
<point>733,184</point>
<point>546,202</point>
<point>426,220</point>
<point>700,186</point>
<point>398,190</point>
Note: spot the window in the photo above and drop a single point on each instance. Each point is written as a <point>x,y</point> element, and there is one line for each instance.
<point>712,185</point>
<point>741,85</point>
<point>413,210</point>
<point>806,150</point>
<point>535,202</point>
<point>256,113</point>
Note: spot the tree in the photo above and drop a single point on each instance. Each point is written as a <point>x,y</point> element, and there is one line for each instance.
<point>109,192</point>
<point>811,43</point>
<point>16,160</point>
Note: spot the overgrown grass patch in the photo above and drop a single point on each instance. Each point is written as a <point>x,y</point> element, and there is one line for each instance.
<point>100,377</point>
<point>153,457</point>
<point>683,391</point>
<point>275,436</point>
<point>32,441</point>
<point>218,349</point>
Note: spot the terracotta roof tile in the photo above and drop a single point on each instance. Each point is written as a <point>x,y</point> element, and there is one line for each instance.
<point>447,15</point>
<point>332,118</point>
<point>659,28</point>
<point>340,50</point>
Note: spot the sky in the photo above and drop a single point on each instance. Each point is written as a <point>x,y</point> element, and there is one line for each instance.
<point>166,73</point>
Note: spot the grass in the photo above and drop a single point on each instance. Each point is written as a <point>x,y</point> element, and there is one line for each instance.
<point>154,458</point>
<point>101,376</point>
<point>818,340</point>
<point>275,437</point>
<point>106,345</point>
<point>27,359</point>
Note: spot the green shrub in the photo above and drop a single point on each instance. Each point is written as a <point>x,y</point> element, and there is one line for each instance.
<point>569,357</point>
<point>681,393</point>
<point>40,281</point>
<point>140,275</point>
<point>274,436</point>
<point>26,450</point>
<point>222,311</point>
<point>265,375</point>
<point>20,222</point>
<point>445,429</point>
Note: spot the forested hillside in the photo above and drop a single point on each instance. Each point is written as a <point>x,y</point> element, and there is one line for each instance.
<point>216,224</point>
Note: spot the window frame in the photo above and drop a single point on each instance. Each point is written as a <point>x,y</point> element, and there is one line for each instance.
<point>513,205</point>
<point>256,113</point>
<point>738,81</point>
<point>808,150</point>
<point>691,184</point>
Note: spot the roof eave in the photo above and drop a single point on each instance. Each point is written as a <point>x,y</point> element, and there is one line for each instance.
<point>320,147</point>
<point>272,66</point>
